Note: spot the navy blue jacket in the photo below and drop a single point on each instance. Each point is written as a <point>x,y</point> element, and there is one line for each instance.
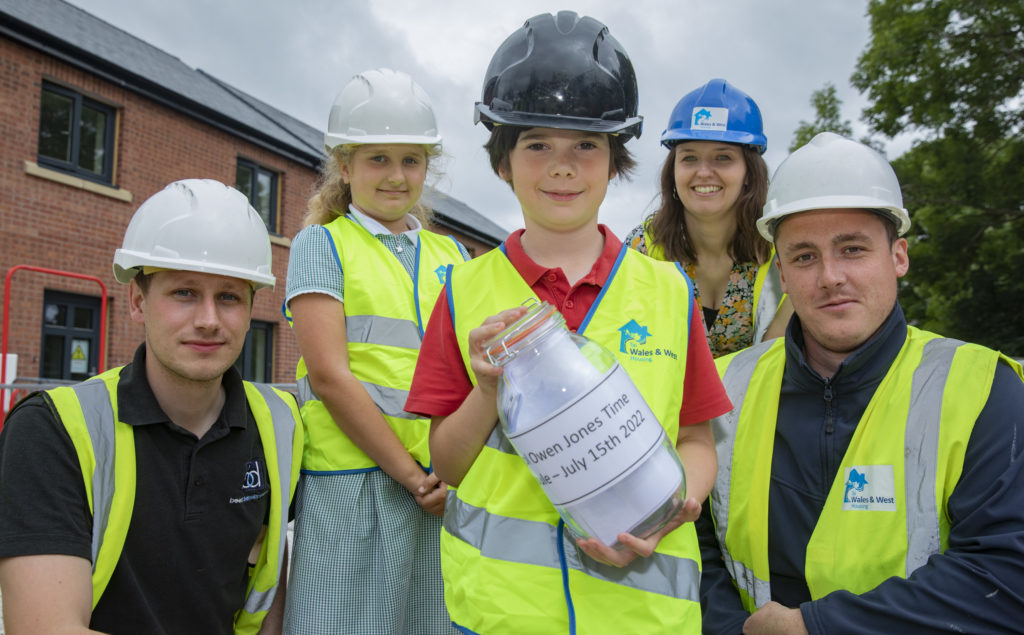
<point>976,586</point>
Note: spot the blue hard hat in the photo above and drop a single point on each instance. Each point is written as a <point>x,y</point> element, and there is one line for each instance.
<point>717,111</point>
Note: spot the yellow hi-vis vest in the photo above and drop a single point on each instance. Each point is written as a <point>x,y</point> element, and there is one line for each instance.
<point>386,313</point>
<point>508,565</point>
<point>768,293</point>
<point>106,453</point>
<point>886,512</point>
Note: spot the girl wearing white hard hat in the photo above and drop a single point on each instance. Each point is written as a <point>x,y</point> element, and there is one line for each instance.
<point>713,187</point>
<point>362,278</point>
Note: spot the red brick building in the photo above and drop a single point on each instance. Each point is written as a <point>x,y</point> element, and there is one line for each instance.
<point>92,122</point>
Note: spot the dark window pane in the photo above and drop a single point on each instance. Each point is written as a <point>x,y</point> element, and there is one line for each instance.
<point>243,180</point>
<point>53,356</point>
<point>83,318</point>
<point>55,121</point>
<point>92,137</point>
<point>263,200</point>
<point>56,314</point>
<point>259,355</point>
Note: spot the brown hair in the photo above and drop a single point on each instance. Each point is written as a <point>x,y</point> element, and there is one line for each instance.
<point>503,139</point>
<point>333,195</point>
<point>667,225</point>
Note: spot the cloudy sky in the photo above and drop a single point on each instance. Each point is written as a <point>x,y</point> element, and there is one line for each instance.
<point>297,55</point>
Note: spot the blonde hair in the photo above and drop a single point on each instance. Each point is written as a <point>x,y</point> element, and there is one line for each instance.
<point>333,195</point>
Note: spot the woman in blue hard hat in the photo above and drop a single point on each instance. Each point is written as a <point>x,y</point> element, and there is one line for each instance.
<point>713,187</point>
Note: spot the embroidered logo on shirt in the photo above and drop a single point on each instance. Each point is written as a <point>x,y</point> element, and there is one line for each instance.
<point>869,488</point>
<point>253,482</point>
<point>253,479</point>
<point>633,342</point>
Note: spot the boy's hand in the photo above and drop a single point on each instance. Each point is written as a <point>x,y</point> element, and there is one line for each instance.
<point>689,512</point>
<point>487,373</point>
<point>431,494</point>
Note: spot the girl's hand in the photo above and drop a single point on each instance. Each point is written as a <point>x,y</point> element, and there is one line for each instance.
<point>431,494</point>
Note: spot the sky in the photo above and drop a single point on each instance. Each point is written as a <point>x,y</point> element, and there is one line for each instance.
<point>297,55</point>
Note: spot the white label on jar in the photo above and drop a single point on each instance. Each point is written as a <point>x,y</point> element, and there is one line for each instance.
<point>591,441</point>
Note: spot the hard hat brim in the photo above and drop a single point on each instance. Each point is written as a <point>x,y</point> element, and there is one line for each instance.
<point>670,138</point>
<point>630,128</point>
<point>332,140</point>
<point>767,224</point>
<point>128,264</point>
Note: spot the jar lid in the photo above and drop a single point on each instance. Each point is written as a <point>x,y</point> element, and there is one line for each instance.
<point>539,319</point>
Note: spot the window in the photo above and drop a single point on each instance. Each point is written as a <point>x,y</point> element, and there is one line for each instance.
<point>71,335</point>
<point>256,363</point>
<point>260,186</point>
<point>76,134</point>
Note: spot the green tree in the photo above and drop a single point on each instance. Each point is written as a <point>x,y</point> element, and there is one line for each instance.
<point>951,73</point>
<point>827,108</point>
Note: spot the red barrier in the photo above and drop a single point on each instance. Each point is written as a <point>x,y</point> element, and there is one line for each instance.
<point>7,310</point>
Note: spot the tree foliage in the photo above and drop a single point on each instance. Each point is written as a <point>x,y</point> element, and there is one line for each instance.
<point>952,71</point>
<point>827,108</point>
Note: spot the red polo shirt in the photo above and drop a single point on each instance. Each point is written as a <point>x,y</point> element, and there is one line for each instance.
<point>441,382</point>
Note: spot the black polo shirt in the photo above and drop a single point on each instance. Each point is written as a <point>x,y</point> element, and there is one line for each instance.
<point>196,516</point>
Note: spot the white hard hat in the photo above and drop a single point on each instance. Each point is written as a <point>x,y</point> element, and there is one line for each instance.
<point>197,225</point>
<point>381,106</point>
<point>833,172</point>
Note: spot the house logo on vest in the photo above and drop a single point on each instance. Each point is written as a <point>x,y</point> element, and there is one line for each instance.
<point>442,273</point>
<point>869,488</point>
<point>253,482</point>
<point>633,342</point>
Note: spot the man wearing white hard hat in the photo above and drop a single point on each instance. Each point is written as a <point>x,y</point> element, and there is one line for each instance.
<point>870,476</point>
<point>154,497</point>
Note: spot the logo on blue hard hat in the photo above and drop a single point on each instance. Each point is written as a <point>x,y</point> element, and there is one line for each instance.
<point>709,118</point>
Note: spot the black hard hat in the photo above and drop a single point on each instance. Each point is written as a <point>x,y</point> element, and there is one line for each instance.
<point>563,72</point>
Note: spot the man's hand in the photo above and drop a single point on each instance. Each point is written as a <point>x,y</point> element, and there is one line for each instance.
<point>774,618</point>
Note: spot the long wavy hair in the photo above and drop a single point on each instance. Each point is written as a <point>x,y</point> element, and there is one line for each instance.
<point>333,195</point>
<point>667,224</point>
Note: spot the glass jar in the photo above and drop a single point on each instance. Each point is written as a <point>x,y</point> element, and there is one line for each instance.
<point>574,415</point>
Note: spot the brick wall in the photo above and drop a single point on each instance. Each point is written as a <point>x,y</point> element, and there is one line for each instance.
<point>51,224</point>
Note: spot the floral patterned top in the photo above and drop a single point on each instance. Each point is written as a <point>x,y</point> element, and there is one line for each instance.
<point>732,328</point>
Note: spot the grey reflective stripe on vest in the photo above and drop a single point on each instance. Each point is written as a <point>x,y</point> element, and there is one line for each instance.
<point>305,391</point>
<point>497,440</point>
<point>767,302</point>
<point>921,449</point>
<point>94,398</point>
<point>284,431</point>
<point>390,401</point>
<point>385,331</point>
<point>736,381</point>
<point>516,540</point>
<point>377,330</point>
